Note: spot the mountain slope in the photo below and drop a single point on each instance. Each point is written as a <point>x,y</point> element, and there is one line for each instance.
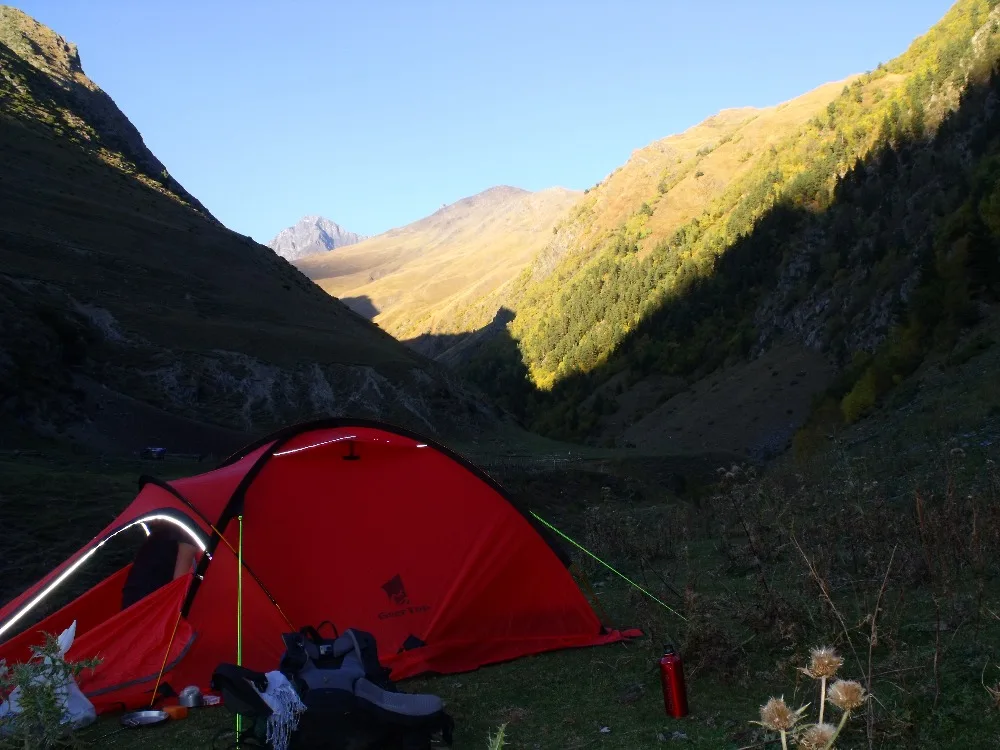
<point>674,178</point>
<point>819,241</point>
<point>80,101</point>
<point>113,280</point>
<point>427,277</point>
<point>311,234</point>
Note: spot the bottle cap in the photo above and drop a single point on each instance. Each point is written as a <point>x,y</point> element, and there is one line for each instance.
<point>668,648</point>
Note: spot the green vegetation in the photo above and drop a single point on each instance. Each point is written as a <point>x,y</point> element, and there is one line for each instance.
<point>39,722</point>
<point>875,226</point>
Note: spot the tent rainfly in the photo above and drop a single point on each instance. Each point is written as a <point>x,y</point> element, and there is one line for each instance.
<point>353,522</point>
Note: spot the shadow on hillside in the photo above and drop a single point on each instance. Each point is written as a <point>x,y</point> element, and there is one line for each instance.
<point>878,218</point>
<point>362,305</point>
<point>455,349</point>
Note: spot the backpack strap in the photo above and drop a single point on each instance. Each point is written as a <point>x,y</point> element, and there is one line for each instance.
<point>241,688</point>
<point>336,633</point>
<point>367,651</point>
<point>311,633</point>
<point>447,729</point>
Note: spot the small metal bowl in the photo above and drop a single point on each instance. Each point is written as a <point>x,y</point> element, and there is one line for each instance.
<point>148,718</point>
<point>190,697</point>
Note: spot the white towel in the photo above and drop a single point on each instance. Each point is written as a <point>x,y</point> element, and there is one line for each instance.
<point>286,707</point>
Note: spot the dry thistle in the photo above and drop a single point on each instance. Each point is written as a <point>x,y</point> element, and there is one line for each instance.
<point>847,695</point>
<point>823,664</point>
<point>818,737</point>
<point>778,717</point>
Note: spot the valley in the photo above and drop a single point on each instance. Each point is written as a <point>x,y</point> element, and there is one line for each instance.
<point>750,378</point>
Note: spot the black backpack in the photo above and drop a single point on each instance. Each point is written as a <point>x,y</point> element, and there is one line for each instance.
<point>351,703</point>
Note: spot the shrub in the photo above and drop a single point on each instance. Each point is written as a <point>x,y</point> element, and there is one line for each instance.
<point>861,398</point>
<point>39,723</point>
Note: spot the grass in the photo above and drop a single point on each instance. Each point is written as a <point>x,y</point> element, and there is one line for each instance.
<point>727,558</point>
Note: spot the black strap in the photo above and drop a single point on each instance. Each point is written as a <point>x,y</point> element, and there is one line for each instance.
<point>311,633</point>
<point>236,672</point>
<point>336,633</point>
<point>447,729</point>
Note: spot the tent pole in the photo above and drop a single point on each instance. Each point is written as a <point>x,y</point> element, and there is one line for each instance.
<point>166,655</point>
<point>239,618</point>
<point>254,576</point>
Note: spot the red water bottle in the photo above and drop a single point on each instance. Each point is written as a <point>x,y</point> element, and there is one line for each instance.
<point>672,679</point>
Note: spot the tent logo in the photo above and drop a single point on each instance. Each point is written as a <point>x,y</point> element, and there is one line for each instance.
<point>395,590</point>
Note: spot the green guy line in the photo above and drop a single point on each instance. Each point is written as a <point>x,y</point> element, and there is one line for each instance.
<point>616,572</point>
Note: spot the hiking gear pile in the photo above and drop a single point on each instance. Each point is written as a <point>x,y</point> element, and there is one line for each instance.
<point>331,694</point>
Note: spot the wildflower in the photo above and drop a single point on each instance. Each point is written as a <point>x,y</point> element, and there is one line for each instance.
<point>823,663</point>
<point>817,737</point>
<point>847,695</point>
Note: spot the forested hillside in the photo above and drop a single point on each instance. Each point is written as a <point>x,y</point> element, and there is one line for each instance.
<point>869,234</point>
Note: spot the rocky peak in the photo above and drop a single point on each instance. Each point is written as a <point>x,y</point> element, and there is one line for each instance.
<point>310,235</point>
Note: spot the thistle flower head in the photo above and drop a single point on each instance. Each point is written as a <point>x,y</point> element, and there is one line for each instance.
<point>816,737</point>
<point>846,695</point>
<point>777,716</point>
<point>823,662</point>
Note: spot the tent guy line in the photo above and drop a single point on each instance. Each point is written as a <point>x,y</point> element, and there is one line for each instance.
<point>606,565</point>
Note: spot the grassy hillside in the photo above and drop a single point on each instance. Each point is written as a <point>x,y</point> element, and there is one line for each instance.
<point>116,286</point>
<point>820,241</point>
<point>447,273</point>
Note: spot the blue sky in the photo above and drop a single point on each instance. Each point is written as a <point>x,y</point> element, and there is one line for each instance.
<point>375,113</point>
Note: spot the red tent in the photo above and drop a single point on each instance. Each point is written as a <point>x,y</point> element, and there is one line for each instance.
<point>351,522</point>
